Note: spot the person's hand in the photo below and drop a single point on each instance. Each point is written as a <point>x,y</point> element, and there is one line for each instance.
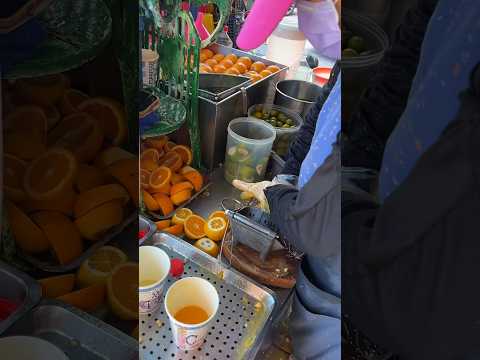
<point>256,189</point>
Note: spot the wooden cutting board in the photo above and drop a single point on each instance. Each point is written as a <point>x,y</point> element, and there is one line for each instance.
<point>278,270</point>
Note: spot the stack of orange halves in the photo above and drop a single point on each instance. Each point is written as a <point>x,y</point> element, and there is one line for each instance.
<point>166,177</point>
<point>66,179</point>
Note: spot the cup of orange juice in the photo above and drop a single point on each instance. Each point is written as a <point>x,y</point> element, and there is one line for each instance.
<point>154,264</point>
<point>191,304</point>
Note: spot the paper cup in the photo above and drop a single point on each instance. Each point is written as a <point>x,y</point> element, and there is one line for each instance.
<point>154,268</point>
<point>187,292</point>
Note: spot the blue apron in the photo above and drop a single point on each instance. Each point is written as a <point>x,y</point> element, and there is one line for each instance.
<point>326,130</point>
<point>450,51</point>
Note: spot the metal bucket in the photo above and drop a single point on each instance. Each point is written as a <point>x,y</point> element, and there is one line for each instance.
<point>297,95</point>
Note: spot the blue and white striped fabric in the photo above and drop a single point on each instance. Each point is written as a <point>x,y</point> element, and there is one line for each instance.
<point>450,51</point>
<point>326,130</point>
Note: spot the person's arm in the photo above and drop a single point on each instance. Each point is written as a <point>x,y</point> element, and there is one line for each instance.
<point>310,218</point>
<point>301,145</point>
<point>385,99</point>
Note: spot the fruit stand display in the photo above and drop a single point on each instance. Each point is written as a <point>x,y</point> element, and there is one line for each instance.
<point>71,180</point>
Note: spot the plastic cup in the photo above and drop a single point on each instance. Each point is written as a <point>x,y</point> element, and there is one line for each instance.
<point>191,291</point>
<point>154,268</point>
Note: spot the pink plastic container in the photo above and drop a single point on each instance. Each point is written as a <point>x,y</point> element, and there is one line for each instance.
<point>261,22</point>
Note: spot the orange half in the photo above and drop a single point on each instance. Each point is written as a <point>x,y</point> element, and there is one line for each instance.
<point>13,173</point>
<point>184,152</point>
<point>51,174</point>
<point>159,178</point>
<point>194,226</point>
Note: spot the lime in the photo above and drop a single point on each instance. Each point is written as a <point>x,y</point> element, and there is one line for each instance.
<point>246,173</point>
<point>356,43</point>
<point>348,53</point>
<point>290,122</point>
<point>281,116</point>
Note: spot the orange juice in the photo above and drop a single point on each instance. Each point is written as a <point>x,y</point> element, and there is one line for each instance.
<point>191,315</point>
<point>147,282</point>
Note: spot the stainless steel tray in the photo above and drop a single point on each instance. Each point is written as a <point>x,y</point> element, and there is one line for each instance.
<point>147,225</point>
<point>79,335</point>
<point>17,287</point>
<point>243,318</point>
<point>217,87</point>
<point>157,216</point>
<point>49,264</point>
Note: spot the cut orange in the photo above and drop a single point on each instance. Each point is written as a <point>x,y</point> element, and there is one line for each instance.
<point>180,215</point>
<point>151,154</point>
<point>163,224</point>
<point>62,203</point>
<point>71,100</point>
<point>28,235</point>
<point>53,116</point>
<point>186,169</point>
<point>159,178</point>
<point>111,155</point>
<point>164,202</point>
<point>13,173</point>
<point>176,229</point>
<point>55,286</point>
<point>148,165</point>
<point>208,246</point>
<point>184,185</point>
<point>51,174</point>
<point>98,267</point>
<point>63,236</point>
<point>86,299</point>
<point>126,173</point>
<point>150,202</point>
<point>25,146</point>
<point>80,134</point>
<point>195,178</point>
<point>28,119</point>
<point>184,152</point>
<point>165,189</point>
<point>157,142</point>
<point>169,146</point>
<point>145,179</point>
<point>89,177</point>
<point>91,199</point>
<point>218,213</point>
<point>172,160</point>
<point>180,197</point>
<point>122,291</point>
<point>44,90</point>
<point>111,116</point>
<point>97,222</point>
<point>194,227</point>
<point>177,178</point>
<point>215,228</point>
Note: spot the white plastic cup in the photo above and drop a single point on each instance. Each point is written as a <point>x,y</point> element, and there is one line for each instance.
<point>191,291</point>
<point>154,266</point>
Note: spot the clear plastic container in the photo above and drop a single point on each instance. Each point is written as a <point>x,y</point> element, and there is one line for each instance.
<point>249,144</point>
<point>284,135</point>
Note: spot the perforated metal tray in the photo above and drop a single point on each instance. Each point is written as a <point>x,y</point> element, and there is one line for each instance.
<point>80,335</point>
<point>243,318</point>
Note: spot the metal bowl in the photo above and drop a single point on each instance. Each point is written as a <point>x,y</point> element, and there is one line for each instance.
<point>297,95</point>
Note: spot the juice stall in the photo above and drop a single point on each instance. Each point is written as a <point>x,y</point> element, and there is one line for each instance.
<point>212,113</point>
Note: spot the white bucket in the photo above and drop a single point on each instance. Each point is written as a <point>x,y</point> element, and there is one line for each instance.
<point>191,291</point>
<point>154,266</point>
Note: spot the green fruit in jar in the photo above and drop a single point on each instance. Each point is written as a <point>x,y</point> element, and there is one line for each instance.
<point>259,168</point>
<point>349,53</point>
<point>265,117</point>
<point>290,122</point>
<point>282,116</point>
<point>238,153</point>
<point>279,124</point>
<point>273,118</point>
<point>246,173</point>
<point>286,126</point>
<point>356,43</point>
